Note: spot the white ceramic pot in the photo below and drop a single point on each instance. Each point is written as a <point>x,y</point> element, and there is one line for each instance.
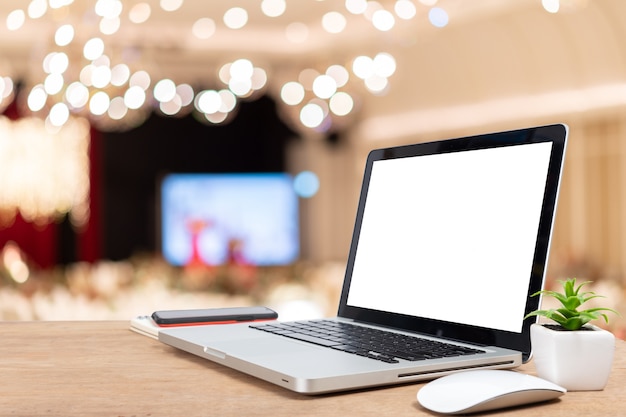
<point>578,360</point>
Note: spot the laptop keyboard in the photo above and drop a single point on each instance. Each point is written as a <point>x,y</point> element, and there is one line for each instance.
<point>364,341</point>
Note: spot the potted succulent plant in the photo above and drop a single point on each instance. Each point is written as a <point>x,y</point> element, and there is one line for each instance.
<point>572,353</point>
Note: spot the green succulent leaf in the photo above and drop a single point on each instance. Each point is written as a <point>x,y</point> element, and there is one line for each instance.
<point>572,302</point>
<point>574,323</point>
<point>567,313</point>
<point>568,316</point>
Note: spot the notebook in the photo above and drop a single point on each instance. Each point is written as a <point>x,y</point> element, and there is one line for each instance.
<point>451,237</point>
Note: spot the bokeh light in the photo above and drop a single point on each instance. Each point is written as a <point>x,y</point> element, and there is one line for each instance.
<point>551,6</point>
<point>64,35</point>
<point>306,184</point>
<point>203,28</point>
<point>112,82</point>
<point>438,17</point>
<point>312,115</point>
<point>356,6</point>
<point>383,20</point>
<point>140,13</point>
<point>15,20</point>
<point>37,8</point>
<point>334,22</point>
<point>171,5</point>
<point>292,93</point>
<point>405,9</point>
<point>236,18</point>
<point>341,104</point>
<point>273,8</point>
<point>324,86</point>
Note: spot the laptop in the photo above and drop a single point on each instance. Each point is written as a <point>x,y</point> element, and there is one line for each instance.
<point>450,240</point>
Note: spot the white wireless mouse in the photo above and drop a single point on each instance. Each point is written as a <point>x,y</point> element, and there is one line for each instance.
<point>485,389</point>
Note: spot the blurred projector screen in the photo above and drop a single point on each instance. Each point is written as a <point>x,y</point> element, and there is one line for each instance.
<point>215,219</point>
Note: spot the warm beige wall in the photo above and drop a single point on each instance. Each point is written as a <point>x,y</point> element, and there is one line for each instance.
<point>590,229</point>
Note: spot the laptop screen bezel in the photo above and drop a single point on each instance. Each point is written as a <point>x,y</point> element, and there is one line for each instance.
<point>557,135</point>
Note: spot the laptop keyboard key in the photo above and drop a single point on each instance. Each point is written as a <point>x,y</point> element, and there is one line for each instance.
<point>365,341</point>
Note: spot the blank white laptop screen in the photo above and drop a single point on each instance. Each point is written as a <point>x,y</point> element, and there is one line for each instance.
<point>452,236</point>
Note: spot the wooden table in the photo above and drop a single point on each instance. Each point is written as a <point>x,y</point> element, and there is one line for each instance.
<point>104,369</point>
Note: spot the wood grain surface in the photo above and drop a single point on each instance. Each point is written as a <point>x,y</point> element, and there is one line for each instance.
<point>103,369</point>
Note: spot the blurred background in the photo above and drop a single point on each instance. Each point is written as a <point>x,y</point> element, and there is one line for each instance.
<point>182,154</point>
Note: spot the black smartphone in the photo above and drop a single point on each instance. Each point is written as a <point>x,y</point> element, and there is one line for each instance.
<point>212,316</point>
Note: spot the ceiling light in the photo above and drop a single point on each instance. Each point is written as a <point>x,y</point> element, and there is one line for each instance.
<point>236,18</point>
<point>208,101</point>
<point>108,8</point>
<point>172,106</point>
<point>117,109</point>
<point>15,19</point>
<point>312,115</point>
<point>259,78</point>
<point>93,49</point>
<point>6,87</point>
<point>165,90</point>
<point>203,28</point>
<point>324,86</point>
<point>77,95</point>
<point>57,4</point>
<point>339,73</point>
<point>101,76</point>
<point>99,103</point>
<point>85,74</point>
<point>37,8</point>
<point>185,92</point>
<point>405,9</point>
<point>229,101</point>
<point>37,98</point>
<point>372,7</point>
<point>171,5</point>
<point>273,8</point>
<point>140,79</point>
<point>120,74</point>
<point>551,6</point>
<point>334,22</point>
<point>438,17</point>
<point>56,62</point>
<point>384,65</point>
<point>240,87</point>
<point>53,83</point>
<point>139,13</point>
<point>123,91</point>
<point>64,35</point>
<point>376,84</point>
<point>59,114</point>
<point>356,6</point>
<point>363,66</point>
<point>241,69</point>
<point>383,20</point>
<point>292,93</point>
<point>59,183</point>
<point>109,26</point>
<point>341,104</point>
<point>135,97</point>
<point>216,118</point>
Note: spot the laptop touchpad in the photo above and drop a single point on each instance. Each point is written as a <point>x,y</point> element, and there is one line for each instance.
<point>261,347</point>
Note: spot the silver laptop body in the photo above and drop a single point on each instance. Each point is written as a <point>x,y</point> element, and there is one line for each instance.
<point>450,239</point>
